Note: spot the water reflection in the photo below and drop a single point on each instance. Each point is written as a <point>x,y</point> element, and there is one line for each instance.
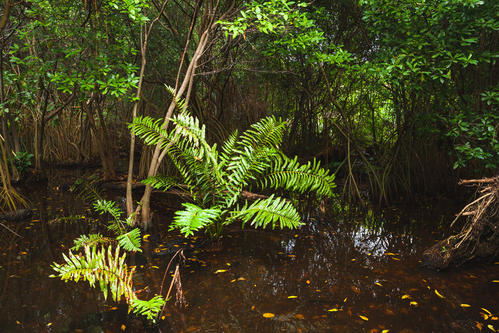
<point>350,273</point>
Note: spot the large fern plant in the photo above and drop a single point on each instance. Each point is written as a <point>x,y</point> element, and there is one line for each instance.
<point>216,178</point>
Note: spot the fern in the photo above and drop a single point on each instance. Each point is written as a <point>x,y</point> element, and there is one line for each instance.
<point>87,188</point>
<point>217,179</point>
<point>288,174</point>
<point>150,308</point>
<point>159,182</point>
<point>130,241</point>
<point>89,240</point>
<point>269,211</point>
<point>99,265</point>
<point>194,218</point>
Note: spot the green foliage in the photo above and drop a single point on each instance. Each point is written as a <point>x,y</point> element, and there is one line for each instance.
<point>99,265</point>
<point>90,241</point>
<point>109,270</point>
<point>130,241</point>
<point>22,161</point>
<point>216,180</point>
<point>150,308</point>
<point>194,218</point>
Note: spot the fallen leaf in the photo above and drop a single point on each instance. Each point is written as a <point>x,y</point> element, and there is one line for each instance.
<point>123,327</point>
<point>252,308</point>
<point>495,281</point>
<point>363,318</point>
<point>268,315</point>
<point>406,296</point>
<point>293,296</point>
<point>308,281</point>
<point>379,284</point>
<point>491,328</point>
<point>493,318</point>
<point>333,310</point>
<point>355,289</point>
<point>439,294</point>
<point>241,279</point>
<point>345,299</point>
<point>479,325</point>
<point>385,331</point>
<point>299,316</point>
<point>413,303</point>
<point>163,317</point>
<point>114,308</point>
<point>18,322</point>
<point>232,281</point>
<point>397,259</point>
<point>464,305</point>
<point>49,324</point>
<point>390,254</point>
<point>146,237</point>
<point>488,312</point>
<point>220,271</point>
<point>227,263</point>
<point>156,267</point>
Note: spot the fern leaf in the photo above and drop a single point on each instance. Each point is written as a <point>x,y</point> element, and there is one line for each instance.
<point>269,211</point>
<point>89,240</point>
<point>193,218</point>
<point>99,265</point>
<point>130,241</point>
<point>160,182</point>
<point>288,174</point>
<point>150,130</point>
<point>150,308</point>
<point>268,132</point>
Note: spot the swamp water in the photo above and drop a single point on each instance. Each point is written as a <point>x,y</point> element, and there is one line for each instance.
<point>353,273</point>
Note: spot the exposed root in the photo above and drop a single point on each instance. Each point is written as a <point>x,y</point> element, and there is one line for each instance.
<point>479,236</point>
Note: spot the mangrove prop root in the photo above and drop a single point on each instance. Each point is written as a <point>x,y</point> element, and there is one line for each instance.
<point>479,236</point>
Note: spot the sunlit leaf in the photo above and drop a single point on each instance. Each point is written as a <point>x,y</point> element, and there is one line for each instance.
<point>413,303</point>
<point>241,279</point>
<point>406,296</point>
<point>363,318</point>
<point>146,237</point>
<point>439,294</point>
<point>123,327</point>
<point>333,310</point>
<point>220,271</point>
<point>487,311</point>
<point>491,328</point>
<point>378,284</point>
<point>292,296</point>
<point>464,305</point>
<point>495,281</point>
<point>268,315</point>
<point>385,331</point>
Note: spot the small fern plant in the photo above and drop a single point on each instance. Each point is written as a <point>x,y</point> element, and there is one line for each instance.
<point>107,267</point>
<point>217,178</point>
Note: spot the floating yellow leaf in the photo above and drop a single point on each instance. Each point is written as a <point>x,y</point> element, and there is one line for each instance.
<point>163,317</point>
<point>484,315</point>
<point>241,279</point>
<point>439,294</point>
<point>363,318</point>
<point>493,318</point>
<point>18,322</point>
<point>378,284</point>
<point>232,281</point>
<point>49,324</point>
<point>345,299</point>
<point>113,308</point>
<point>495,281</point>
<point>491,328</point>
<point>156,267</point>
<point>308,281</point>
<point>227,263</point>
<point>479,326</point>
<point>292,296</point>
<point>220,271</point>
<point>488,312</point>
<point>268,315</point>
<point>413,303</point>
<point>385,331</point>
<point>390,254</point>
<point>146,237</point>
<point>291,255</point>
<point>123,327</point>
<point>406,296</point>
<point>299,316</point>
<point>354,259</point>
<point>464,305</point>
<point>252,308</point>
<point>333,310</point>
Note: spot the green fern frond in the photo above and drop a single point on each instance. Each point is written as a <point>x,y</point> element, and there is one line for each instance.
<point>269,211</point>
<point>150,130</point>
<point>150,308</point>
<point>89,240</point>
<point>288,174</point>
<point>193,218</point>
<point>268,132</point>
<point>108,206</point>
<point>130,241</point>
<point>228,147</point>
<point>101,266</point>
<point>160,182</point>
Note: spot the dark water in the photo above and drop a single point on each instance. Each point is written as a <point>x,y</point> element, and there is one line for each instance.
<point>346,273</point>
